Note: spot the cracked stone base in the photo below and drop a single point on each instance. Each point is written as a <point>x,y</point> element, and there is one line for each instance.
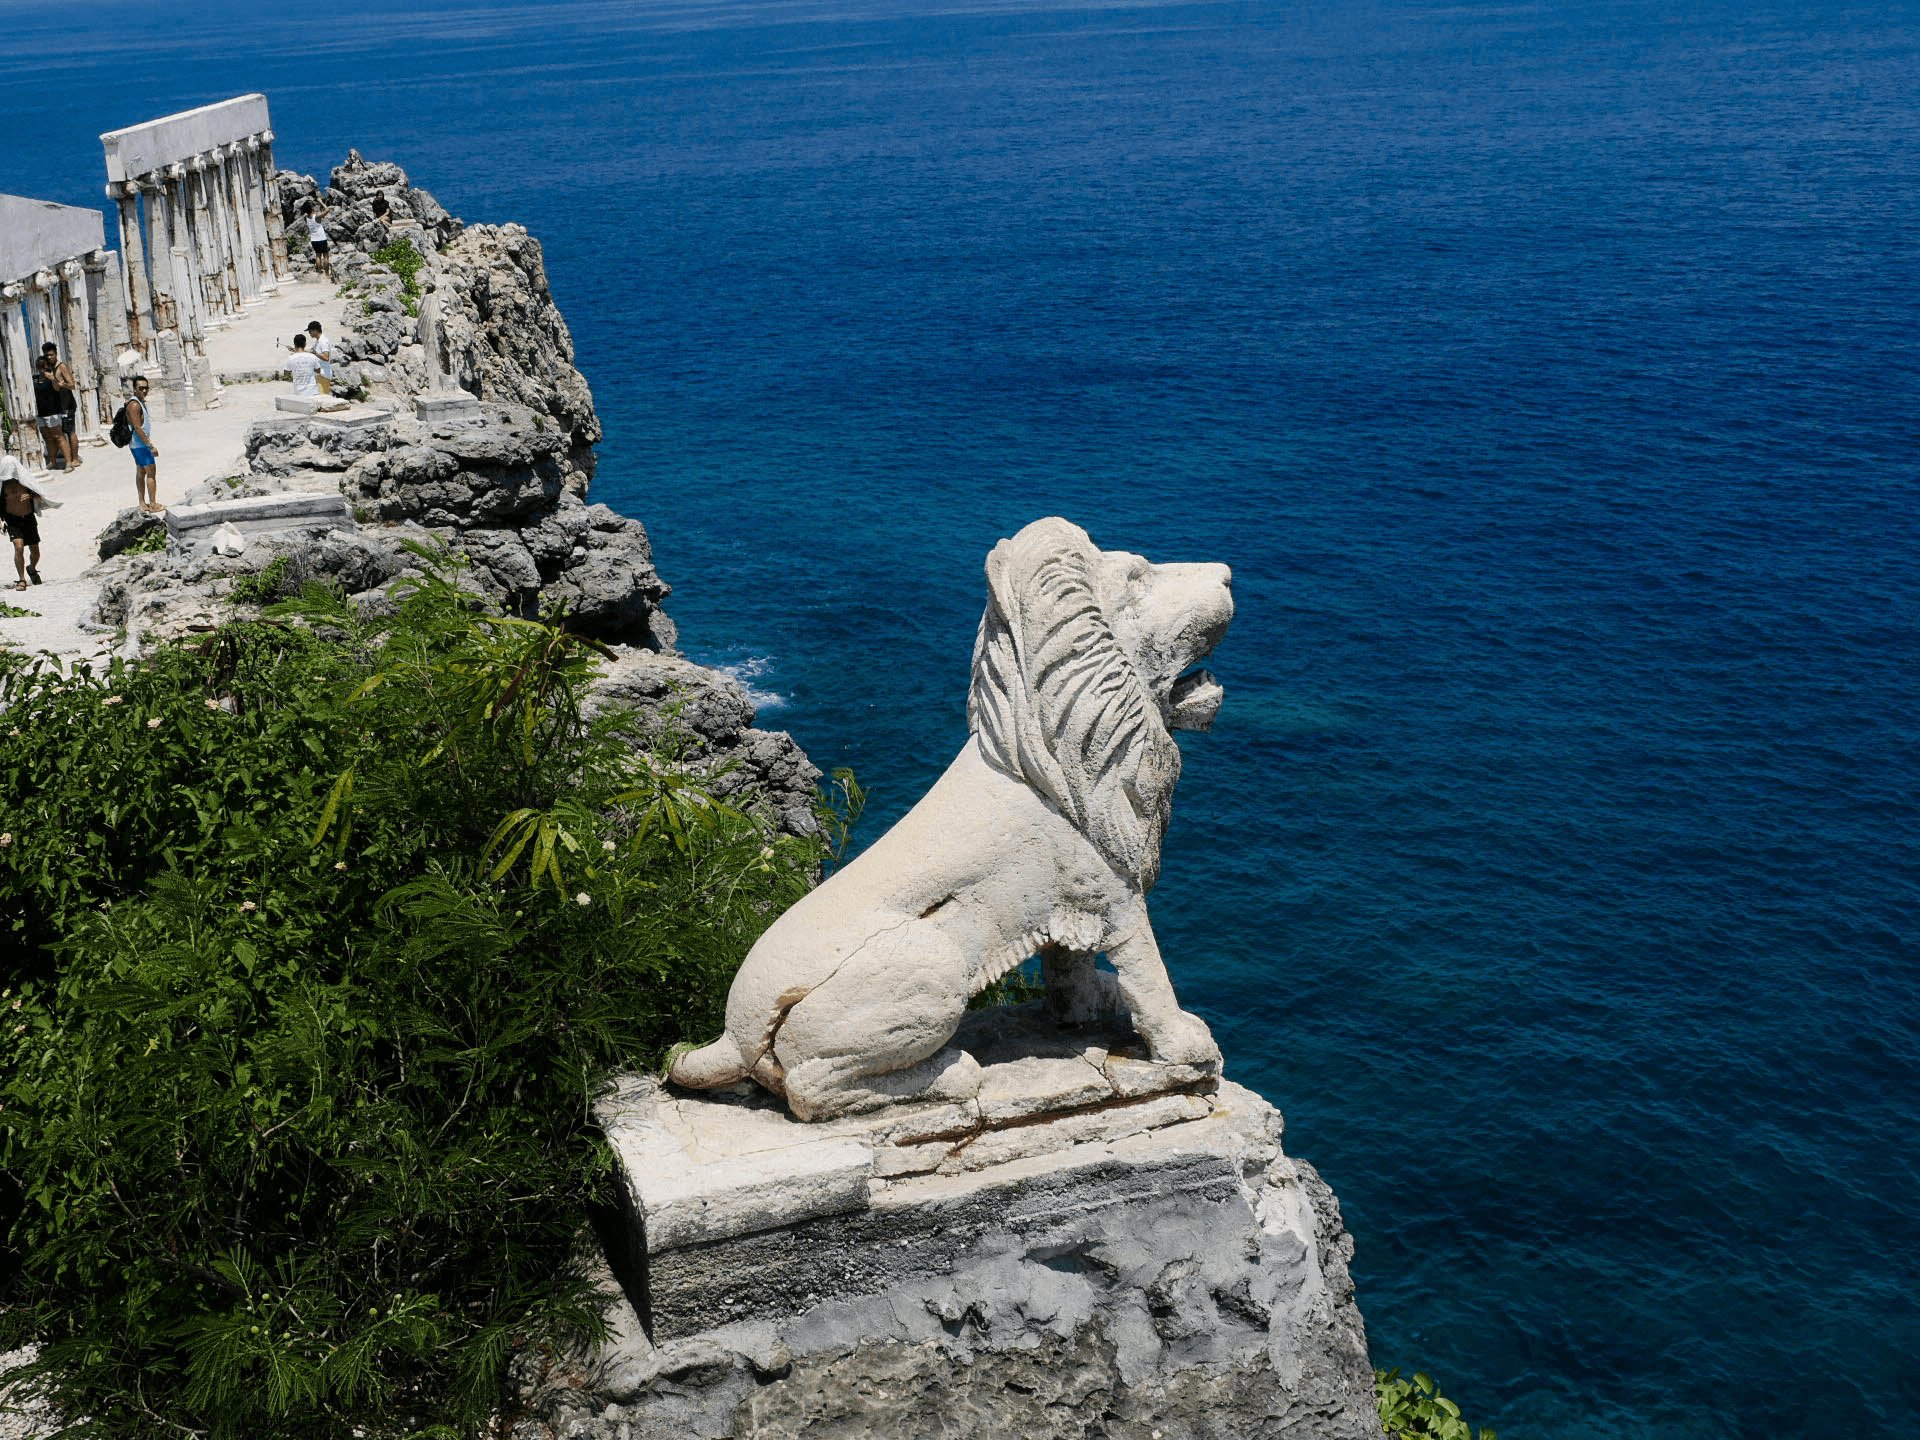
<point>1119,1266</point>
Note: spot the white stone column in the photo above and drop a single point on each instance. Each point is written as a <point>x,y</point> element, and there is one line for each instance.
<point>138,293</point>
<point>270,205</point>
<point>192,329</point>
<point>166,312</point>
<point>246,249</point>
<point>205,248</point>
<point>17,378</point>
<point>188,289</point>
<point>173,374</point>
<point>79,328</point>
<point>43,314</point>
<point>213,183</point>
<point>109,325</point>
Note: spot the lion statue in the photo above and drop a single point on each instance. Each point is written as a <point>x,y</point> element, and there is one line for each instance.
<point>1042,837</point>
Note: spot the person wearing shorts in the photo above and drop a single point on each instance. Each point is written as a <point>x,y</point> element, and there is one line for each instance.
<point>64,386</point>
<point>50,417</point>
<point>322,349</point>
<point>317,237</point>
<point>23,526</point>
<point>146,483</point>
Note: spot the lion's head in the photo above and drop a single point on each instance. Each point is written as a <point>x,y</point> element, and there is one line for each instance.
<point>1077,680</point>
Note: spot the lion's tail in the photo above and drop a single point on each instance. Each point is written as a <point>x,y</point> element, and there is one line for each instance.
<point>717,1064</point>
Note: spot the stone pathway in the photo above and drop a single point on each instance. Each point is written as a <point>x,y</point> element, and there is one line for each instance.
<point>205,445</point>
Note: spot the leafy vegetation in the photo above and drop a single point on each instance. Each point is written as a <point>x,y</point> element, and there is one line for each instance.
<point>1410,1409</point>
<point>399,256</point>
<point>150,541</point>
<point>14,612</point>
<point>266,585</point>
<point>322,949</point>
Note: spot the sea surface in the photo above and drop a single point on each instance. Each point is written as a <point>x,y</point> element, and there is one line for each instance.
<point>1546,373</point>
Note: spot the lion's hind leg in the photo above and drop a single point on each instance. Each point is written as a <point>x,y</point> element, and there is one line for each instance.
<point>876,1030</point>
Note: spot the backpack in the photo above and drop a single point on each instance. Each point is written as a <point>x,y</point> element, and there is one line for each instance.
<point>122,432</point>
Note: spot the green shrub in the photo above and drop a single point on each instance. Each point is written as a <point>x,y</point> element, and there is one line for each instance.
<point>399,256</point>
<point>150,541</point>
<point>266,586</point>
<point>323,949</point>
<point>1414,1408</point>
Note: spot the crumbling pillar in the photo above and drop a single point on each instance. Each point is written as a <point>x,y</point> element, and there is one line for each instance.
<point>43,314</point>
<point>16,377</point>
<point>138,293</point>
<point>187,292</point>
<point>205,249</point>
<point>233,185</point>
<point>166,314</point>
<point>79,334</point>
<point>110,335</point>
<point>173,374</point>
<point>270,205</point>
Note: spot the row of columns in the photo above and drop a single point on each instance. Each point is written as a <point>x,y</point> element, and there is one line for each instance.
<point>81,307</point>
<point>214,241</point>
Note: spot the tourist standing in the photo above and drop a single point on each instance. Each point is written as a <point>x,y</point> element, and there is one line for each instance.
<point>322,349</point>
<point>304,366</point>
<point>66,387</point>
<point>50,416</point>
<point>317,237</point>
<point>19,506</point>
<point>146,481</point>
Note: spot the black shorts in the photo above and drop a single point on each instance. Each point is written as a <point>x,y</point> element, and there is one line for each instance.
<point>23,527</point>
<point>320,246</point>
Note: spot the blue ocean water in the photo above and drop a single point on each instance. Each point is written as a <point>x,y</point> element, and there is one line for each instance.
<point>1547,374</point>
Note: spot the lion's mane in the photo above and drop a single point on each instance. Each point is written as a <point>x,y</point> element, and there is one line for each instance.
<point>1057,703</point>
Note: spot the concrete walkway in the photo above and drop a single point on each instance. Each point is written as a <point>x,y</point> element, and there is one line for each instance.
<point>207,444</point>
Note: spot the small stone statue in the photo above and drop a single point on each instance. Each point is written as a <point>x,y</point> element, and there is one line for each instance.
<point>1042,837</point>
<point>442,399</point>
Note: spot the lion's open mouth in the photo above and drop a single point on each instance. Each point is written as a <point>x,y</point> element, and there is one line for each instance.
<point>1194,700</point>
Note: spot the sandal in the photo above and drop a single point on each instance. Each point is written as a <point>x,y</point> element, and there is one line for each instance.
<point>21,586</point>
<point>33,573</point>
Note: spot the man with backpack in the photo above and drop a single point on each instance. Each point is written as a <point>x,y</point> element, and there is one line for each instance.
<point>133,426</point>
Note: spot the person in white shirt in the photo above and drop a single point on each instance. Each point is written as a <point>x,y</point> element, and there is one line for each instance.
<point>304,365</point>
<point>322,348</point>
<point>316,216</point>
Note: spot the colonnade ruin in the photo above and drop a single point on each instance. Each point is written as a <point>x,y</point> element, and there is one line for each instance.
<point>201,240</point>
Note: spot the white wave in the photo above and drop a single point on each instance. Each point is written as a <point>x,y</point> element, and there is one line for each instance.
<point>746,672</point>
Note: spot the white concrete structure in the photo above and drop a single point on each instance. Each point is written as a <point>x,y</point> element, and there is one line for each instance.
<point>1043,837</point>
<point>56,285</point>
<point>213,240</point>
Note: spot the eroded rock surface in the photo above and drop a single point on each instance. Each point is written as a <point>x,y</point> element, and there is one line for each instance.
<point>1079,1264</point>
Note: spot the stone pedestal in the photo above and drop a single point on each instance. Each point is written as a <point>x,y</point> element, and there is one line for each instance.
<point>259,515</point>
<point>1096,1245</point>
<point>445,405</point>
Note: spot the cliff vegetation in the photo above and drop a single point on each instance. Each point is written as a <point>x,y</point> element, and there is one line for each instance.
<point>326,930</point>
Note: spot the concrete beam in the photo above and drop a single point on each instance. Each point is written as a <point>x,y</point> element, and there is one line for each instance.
<point>37,234</point>
<point>138,149</point>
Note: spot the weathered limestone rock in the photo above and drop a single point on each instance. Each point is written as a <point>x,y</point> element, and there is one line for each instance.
<point>129,526</point>
<point>673,701</point>
<point>1113,1268</point>
<point>1042,837</point>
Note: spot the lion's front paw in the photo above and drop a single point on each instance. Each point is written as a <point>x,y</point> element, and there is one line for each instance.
<point>1184,1040</point>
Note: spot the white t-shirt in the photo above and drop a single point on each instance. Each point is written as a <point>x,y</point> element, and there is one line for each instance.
<point>321,346</point>
<point>305,366</point>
